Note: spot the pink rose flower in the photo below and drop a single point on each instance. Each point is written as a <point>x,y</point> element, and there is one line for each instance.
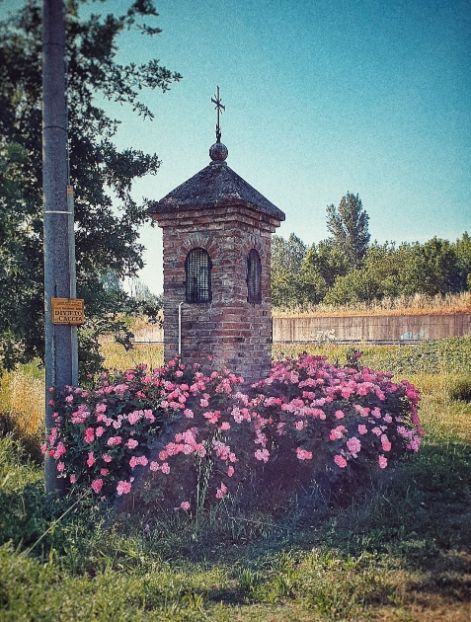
<point>60,450</point>
<point>262,454</point>
<point>149,415</point>
<point>385,443</point>
<point>123,488</point>
<point>337,433</point>
<point>89,435</point>
<point>354,445</point>
<point>185,505</point>
<point>165,468</point>
<point>134,417</point>
<point>113,441</point>
<point>303,454</point>
<point>382,461</point>
<point>340,461</point>
<point>97,485</point>
<point>221,491</point>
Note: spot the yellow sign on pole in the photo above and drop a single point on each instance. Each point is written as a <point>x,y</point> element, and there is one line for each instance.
<point>67,311</point>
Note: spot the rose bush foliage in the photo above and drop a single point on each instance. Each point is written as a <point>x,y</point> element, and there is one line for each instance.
<point>189,437</point>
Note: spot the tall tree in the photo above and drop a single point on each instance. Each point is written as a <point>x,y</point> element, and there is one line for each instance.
<point>348,225</point>
<point>434,269</point>
<point>286,259</point>
<point>19,252</point>
<point>462,248</point>
<point>287,255</point>
<point>107,216</point>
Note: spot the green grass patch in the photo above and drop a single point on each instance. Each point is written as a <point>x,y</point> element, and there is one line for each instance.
<point>445,356</point>
<point>401,551</point>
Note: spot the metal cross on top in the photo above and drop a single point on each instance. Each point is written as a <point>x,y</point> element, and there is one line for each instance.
<point>218,105</point>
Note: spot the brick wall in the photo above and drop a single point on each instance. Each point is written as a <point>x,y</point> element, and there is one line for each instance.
<point>229,329</point>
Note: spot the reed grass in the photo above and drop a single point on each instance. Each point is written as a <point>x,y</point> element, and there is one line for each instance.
<point>22,401</point>
<point>417,304</point>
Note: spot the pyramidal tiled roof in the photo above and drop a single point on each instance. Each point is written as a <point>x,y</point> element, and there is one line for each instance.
<point>217,185</point>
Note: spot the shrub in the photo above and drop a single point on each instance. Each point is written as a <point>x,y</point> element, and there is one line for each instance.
<point>196,436</point>
<point>461,390</point>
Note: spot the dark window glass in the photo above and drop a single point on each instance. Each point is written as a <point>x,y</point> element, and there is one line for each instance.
<point>198,276</point>
<point>254,277</point>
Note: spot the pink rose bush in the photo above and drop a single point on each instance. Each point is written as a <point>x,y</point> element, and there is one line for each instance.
<point>187,438</point>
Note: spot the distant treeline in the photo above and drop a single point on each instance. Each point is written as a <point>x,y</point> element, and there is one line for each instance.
<point>346,269</point>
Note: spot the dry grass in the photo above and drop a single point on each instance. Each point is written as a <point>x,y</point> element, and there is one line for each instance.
<point>117,357</point>
<point>22,401</point>
<point>418,304</point>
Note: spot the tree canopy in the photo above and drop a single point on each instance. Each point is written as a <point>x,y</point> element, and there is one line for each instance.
<point>107,216</point>
<point>345,269</point>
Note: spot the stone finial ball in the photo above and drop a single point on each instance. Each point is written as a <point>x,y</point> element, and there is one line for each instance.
<point>218,152</point>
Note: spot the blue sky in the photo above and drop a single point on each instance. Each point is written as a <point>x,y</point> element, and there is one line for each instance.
<point>322,97</point>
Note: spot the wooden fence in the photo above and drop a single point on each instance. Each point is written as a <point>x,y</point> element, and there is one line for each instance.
<point>371,328</point>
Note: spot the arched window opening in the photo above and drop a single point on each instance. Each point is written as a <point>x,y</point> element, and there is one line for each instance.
<point>198,276</point>
<point>254,277</point>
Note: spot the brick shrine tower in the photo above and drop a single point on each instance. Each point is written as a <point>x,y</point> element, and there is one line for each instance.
<point>217,256</point>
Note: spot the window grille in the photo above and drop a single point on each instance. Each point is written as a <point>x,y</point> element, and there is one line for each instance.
<point>254,277</point>
<point>198,276</point>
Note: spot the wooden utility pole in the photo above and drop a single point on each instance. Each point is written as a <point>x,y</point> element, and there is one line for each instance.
<point>59,253</point>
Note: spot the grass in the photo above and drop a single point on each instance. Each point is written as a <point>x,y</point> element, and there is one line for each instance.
<point>22,405</point>
<point>400,552</point>
<point>116,357</point>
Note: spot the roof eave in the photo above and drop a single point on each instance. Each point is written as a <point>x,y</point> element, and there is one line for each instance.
<point>167,206</point>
